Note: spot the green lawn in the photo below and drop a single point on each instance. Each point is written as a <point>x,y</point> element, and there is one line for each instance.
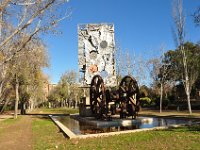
<point>196,113</point>
<point>10,121</point>
<point>62,110</point>
<point>47,136</point>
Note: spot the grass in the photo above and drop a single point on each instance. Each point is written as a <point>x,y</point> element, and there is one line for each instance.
<point>10,120</point>
<point>45,133</point>
<point>47,136</point>
<point>62,110</point>
<point>196,113</point>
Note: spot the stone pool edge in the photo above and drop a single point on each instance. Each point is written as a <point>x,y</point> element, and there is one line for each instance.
<point>71,135</point>
<point>63,128</point>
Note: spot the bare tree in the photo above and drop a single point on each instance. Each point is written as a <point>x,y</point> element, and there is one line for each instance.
<point>128,63</point>
<point>159,70</point>
<point>119,56</point>
<point>140,70</point>
<point>196,16</point>
<point>135,66</point>
<point>20,22</point>
<point>163,73</point>
<point>31,17</point>
<point>179,20</point>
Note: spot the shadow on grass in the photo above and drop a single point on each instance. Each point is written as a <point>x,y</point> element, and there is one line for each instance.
<point>194,128</point>
<point>45,117</point>
<point>191,128</point>
<point>47,114</point>
<point>171,116</point>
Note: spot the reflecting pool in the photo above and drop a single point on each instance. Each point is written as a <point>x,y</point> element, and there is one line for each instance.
<point>84,127</point>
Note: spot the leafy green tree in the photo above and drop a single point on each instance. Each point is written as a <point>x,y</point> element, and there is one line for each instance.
<point>54,98</point>
<point>26,71</point>
<point>24,97</point>
<point>66,89</point>
<point>144,91</point>
<point>174,59</point>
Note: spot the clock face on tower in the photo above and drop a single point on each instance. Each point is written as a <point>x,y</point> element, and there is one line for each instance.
<point>96,53</point>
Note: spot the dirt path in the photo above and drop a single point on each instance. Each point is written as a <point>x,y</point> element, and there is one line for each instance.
<point>17,136</point>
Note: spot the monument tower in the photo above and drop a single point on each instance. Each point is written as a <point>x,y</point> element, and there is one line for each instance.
<point>96,48</point>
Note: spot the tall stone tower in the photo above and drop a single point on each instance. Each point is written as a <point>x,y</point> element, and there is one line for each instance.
<point>96,48</point>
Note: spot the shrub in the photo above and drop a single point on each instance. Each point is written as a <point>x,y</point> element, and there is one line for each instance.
<point>145,101</point>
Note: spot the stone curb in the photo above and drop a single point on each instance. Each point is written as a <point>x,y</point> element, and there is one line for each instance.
<point>63,128</point>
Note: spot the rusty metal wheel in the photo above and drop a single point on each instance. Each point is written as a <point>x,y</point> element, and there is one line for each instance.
<point>129,86</point>
<point>129,94</point>
<point>97,96</point>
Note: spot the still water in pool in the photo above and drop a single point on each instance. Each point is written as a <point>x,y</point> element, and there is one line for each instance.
<point>82,128</point>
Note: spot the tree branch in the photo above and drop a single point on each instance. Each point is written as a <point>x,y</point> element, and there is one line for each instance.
<point>28,23</point>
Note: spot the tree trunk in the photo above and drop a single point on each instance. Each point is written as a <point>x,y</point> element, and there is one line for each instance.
<point>49,106</point>
<point>187,83</point>
<point>64,103</point>
<point>187,88</point>
<point>179,19</point>
<point>17,97</point>
<point>31,104</point>
<point>4,106</point>
<point>161,96</point>
<point>1,22</point>
<point>23,108</point>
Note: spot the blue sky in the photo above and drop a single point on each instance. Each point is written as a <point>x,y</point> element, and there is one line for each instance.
<point>140,25</point>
